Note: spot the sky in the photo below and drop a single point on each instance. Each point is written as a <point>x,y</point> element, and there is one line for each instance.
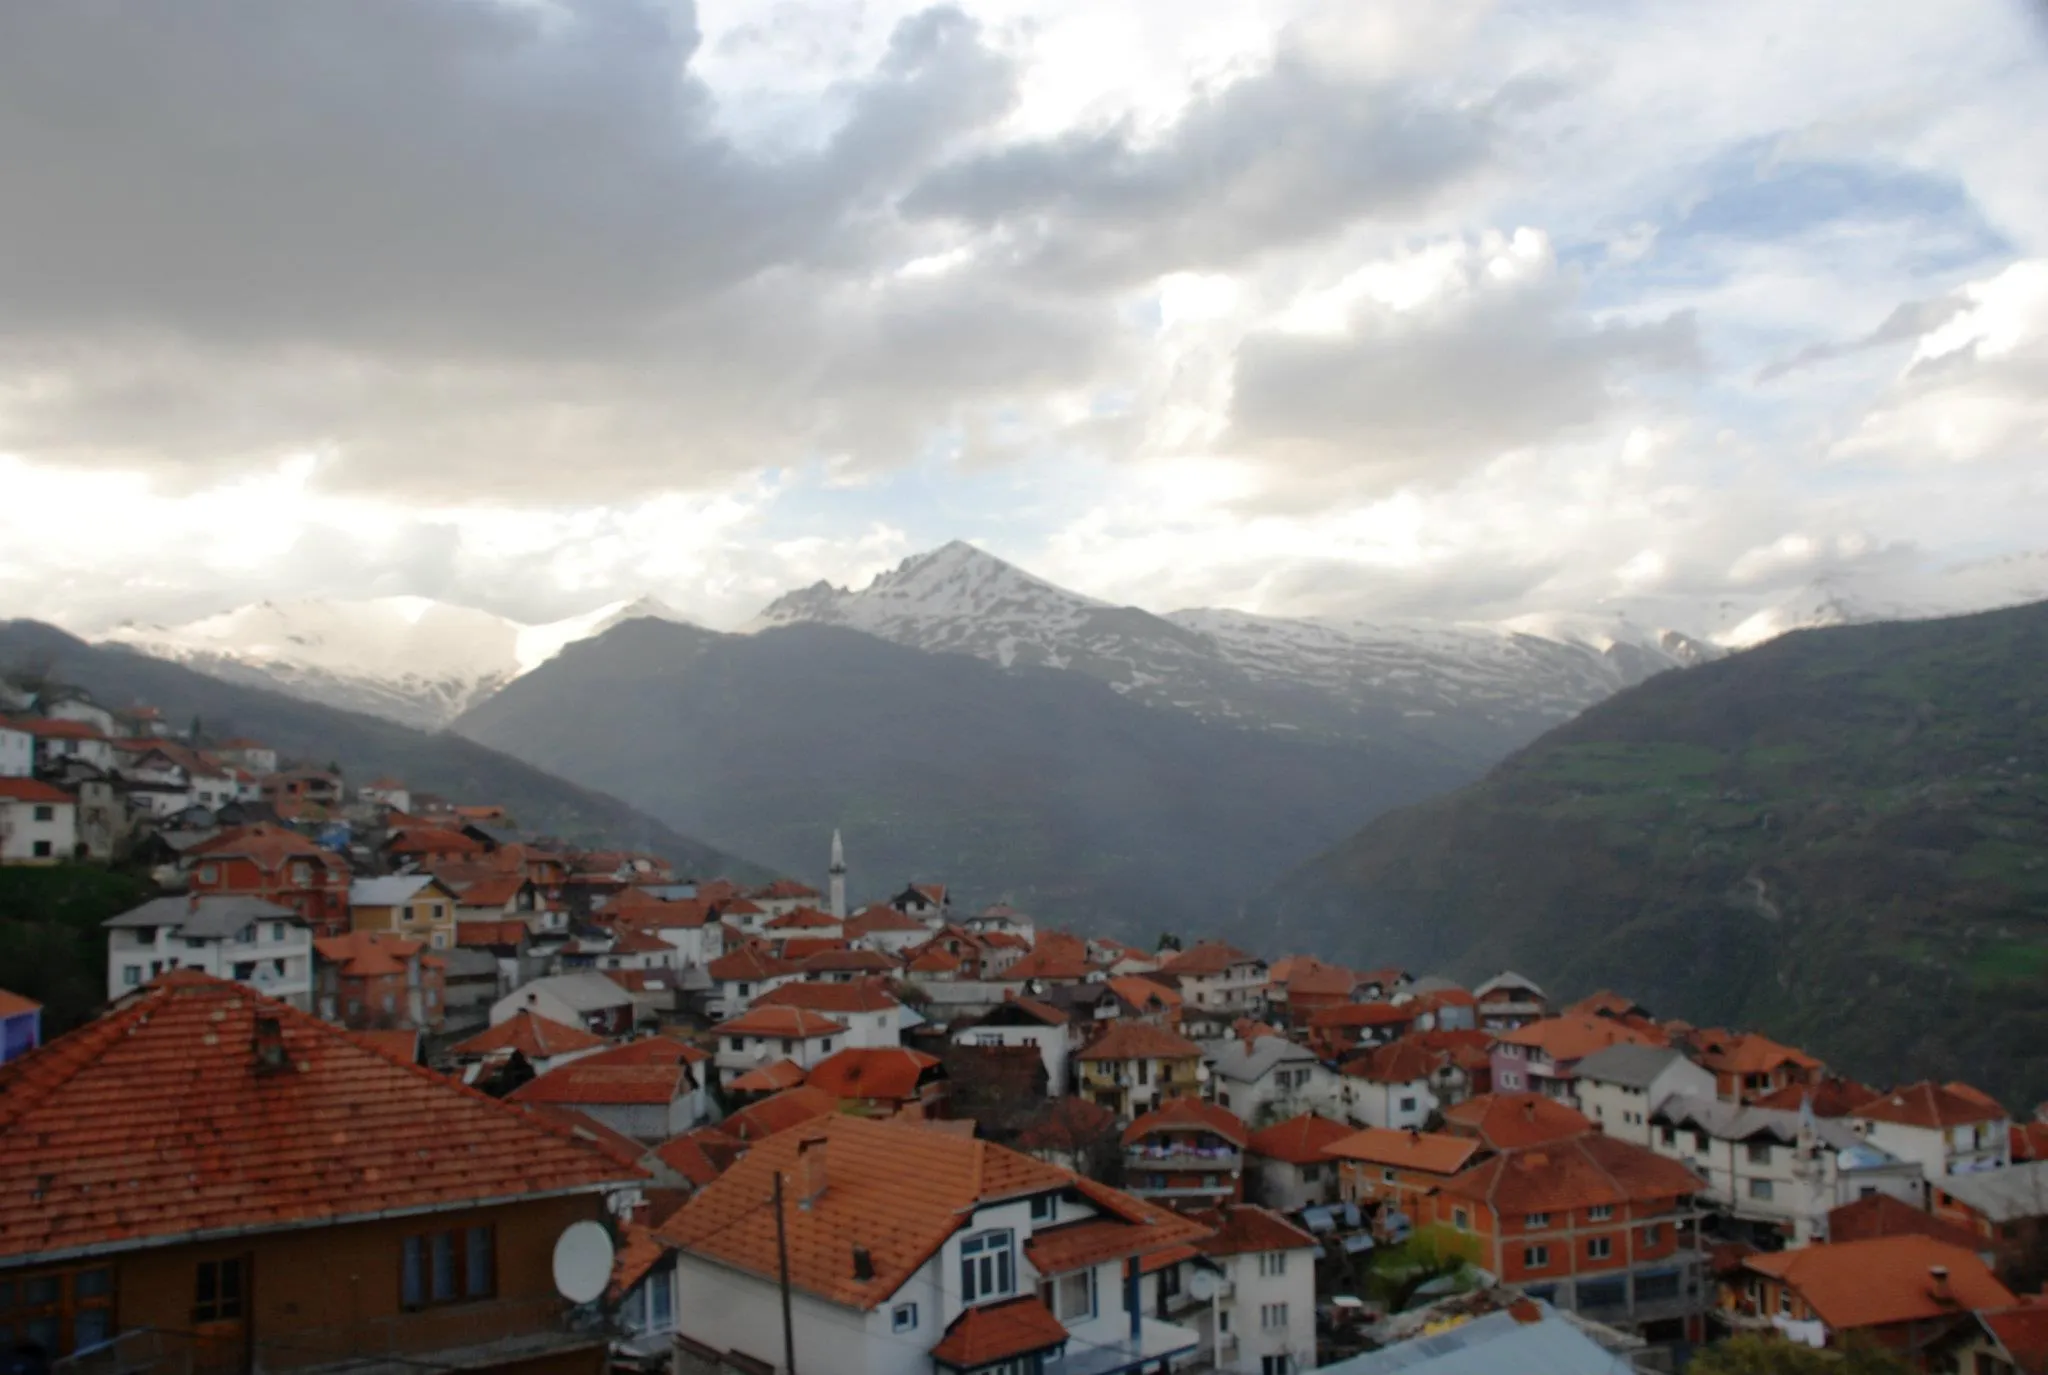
<point>1464,310</point>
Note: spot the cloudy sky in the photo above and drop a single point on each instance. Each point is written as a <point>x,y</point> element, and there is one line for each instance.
<point>1463,308</point>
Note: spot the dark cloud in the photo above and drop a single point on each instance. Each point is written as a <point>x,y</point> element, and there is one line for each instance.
<point>1428,393</point>
<point>1283,157</point>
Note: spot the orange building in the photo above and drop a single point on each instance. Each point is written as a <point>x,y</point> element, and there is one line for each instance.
<point>1380,1165</point>
<point>1747,1067</point>
<point>276,865</point>
<point>372,979</point>
<point>1186,1153</point>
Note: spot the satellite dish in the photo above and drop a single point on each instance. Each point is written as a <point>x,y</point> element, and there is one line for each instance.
<point>583,1261</point>
<point>1202,1284</point>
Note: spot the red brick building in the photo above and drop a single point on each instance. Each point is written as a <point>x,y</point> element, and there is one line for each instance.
<point>276,865</point>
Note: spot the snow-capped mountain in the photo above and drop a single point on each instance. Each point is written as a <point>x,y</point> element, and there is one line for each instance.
<point>1472,688</point>
<point>411,659</point>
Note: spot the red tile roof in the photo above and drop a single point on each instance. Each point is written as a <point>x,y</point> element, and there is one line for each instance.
<point>266,846</point>
<point>798,949</point>
<point>1364,1014</point>
<point>1397,1062</point>
<point>1885,1280</point>
<point>507,931</point>
<point>650,1050</point>
<point>402,1046</point>
<point>794,1023</point>
<point>1145,994</point>
<point>790,1108</point>
<point>159,1121</point>
<point>803,919</point>
<point>1929,1105</point>
<point>1244,1227</point>
<point>1206,958</point>
<point>878,919</point>
<point>841,960</point>
<point>2023,1332</point>
<point>1509,1121</point>
<point>533,1036</point>
<point>699,1156</point>
<point>1831,1097</point>
<point>999,1332</point>
<point>32,790</point>
<point>783,1074</point>
<point>749,964</point>
<point>580,1082</point>
<point>13,1004</point>
<point>1127,1226</point>
<point>1606,1003</point>
<point>368,954</point>
<point>1182,1114</point>
<point>1308,976</point>
<point>880,1072</point>
<point>1745,1052</point>
<point>51,728</point>
<point>1139,1041</point>
<point>896,1191</point>
<point>584,1127</point>
<point>784,888</point>
<point>1574,1036</point>
<point>1580,1173</point>
<point>1299,1140</point>
<point>862,995</point>
<point>1881,1215</point>
<point>1428,1152</point>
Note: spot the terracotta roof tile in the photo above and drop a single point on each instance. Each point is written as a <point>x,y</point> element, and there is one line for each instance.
<point>31,790</point>
<point>586,1128</point>
<point>1299,1140</point>
<point>1881,1215</point>
<point>1929,1105</point>
<point>1428,1152</point>
<point>1831,1097</point>
<point>1143,993</point>
<point>580,1082</point>
<point>1364,1014</point>
<point>1509,1121</point>
<point>1185,1113</point>
<point>1885,1280</point>
<point>1244,1227</point>
<point>1139,1041</point>
<point>894,1190</point>
<point>783,1074</point>
<point>881,1072</point>
<point>1206,958</point>
<point>506,931</point>
<point>879,919</point>
<point>794,1023</point>
<point>797,949</point>
<point>649,1050</point>
<point>533,1036</point>
<point>804,919</point>
<point>790,1108</point>
<point>784,888</point>
<point>1580,1173</point>
<point>1397,1062</point>
<point>2023,1332</point>
<point>843,960</point>
<point>13,1004</point>
<point>862,995</point>
<point>999,1332</point>
<point>1128,1226</point>
<point>750,964</point>
<point>1575,1036</point>
<point>368,954</point>
<point>402,1046</point>
<point>1746,1052</point>
<point>640,1250</point>
<point>158,1121</point>
<point>700,1156</point>
<point>1307,975</point>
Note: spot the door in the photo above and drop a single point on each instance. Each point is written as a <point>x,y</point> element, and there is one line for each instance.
<point>220,1314</point>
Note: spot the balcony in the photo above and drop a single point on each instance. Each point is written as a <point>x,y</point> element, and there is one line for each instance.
<point>466,1336</point>
<point>1178,1157</point>
<point>1091,1352</point>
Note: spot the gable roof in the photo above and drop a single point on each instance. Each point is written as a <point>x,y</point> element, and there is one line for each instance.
<point>1206,958</point>
<point>1746,1052</point>
<point>778,1113</point>
<point>750,964</point>
<point>1507,1121</point>
<point>32,790</point>
<point>1881,1215</point>
<point>1929,1105</point>
<point>2023,1332</point>
<point>202,916</point>
<point>803,919</point>
<point>896,1191</point>
<point>861,995</point>
<point>794,1023</point>
<point>999,1332</point>
<point>1143,993</point>
<point>1397,1062</point>
<point>159,1122</point>
<point>1181,1113</point>
<point>879,918</point>
<point>391,890</point>
<point>1428,1152</point>
<point>368,954</point>
<point>1242,1228</point>
<point>532,1035</point>
<point>586,1081</point>
<point>1573,1036</point>
<point>586,990</point>
<point>1884,1280</point>
<point>1629,1065</point>
<point>1580,1173</point>
<point>890,1072</point>
<point>1139,1041</point>
<point>1302,1140</point>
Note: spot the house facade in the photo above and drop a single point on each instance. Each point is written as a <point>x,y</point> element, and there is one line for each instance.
<point>1262,1320</point>
<point>1944,1131</point>
<point>766,1036</point>
<point>416,906</point>
<point>1133,1067</point>
<point>279,866</point>
<point>38,822</point>
<point>1269,1078</point>
<point>1186,1154</point>
<point>259,944</point>
<point>1027,1022</point>
<point>1619,1086</point>
<point>1216,977</point>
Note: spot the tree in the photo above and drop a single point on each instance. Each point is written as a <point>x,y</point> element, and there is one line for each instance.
<point>1757,1354</point>
<point>1167,941</point>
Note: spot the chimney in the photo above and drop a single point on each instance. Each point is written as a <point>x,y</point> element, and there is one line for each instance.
<point>1938,1284</point>
<point>1529,1111</point>
<point>810,1170</point>
<point>267,1045</point>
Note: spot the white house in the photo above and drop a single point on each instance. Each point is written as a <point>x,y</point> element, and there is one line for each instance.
<point>872,1016</point>
<point>913,1250</point>
<point>1783,1169</point>
<point>1262,1313</point>
<point>1620,1086</point>
<point>1215,977</point>
<point>1945,1131</point>
<point>62,739</point>
<point>584,999</point>
<point>763,1036</point>
<point>742,975</point>
<point>1269,1078</point>
<point>38,822</point>
<point>82,710</point>
<point>881,927</point>
<point>267,947</point>
<point>1391,1086</point>
<point>1027,1022</point>
<point>382,792</point>
<point>651,1089</point>
<point>17,751</point>
<point>1290,1164</point>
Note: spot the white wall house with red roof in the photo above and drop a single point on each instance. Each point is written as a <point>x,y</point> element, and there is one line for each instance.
<point>38,822</point>
<point>1945,1131</point>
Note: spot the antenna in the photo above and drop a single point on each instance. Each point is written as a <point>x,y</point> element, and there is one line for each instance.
<point>583,1261</point>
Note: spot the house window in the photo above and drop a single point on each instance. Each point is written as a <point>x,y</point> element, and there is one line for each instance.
<point>1759,1152</point>
<point>1760,1189</point>
<point>1408,1104</point>
<point>987,1266</point>
<point>1387,1176</point>
<point>1272,1263</point>
<point>448,1266</point>
<point>743,990</point>
<point>1600,1212</point>
<point>277,930</point>
<point>217,1291</point>
<point>41,849</point>
<point>1045,1207</point>
<point>736,1043</point>
<point>828,1045</point>
<point>61,1313</point>
<point>247,935</point>
<point>1652,1234</point>
<point>1460,1219</point>
<point>1535,1257</point>
<point>300,873</point>
<point>46,813</point>
<point>1668,1135</point>
<point>903,1318</point>
<point>1599,1248</point>
<point>1071,1297</point>
<point>131,975</point>
<point>1272,1315</point>
<point>1536,1222</point>
<point>788,1046</point>
<point>1282,1364</point>
<point>407,914</point>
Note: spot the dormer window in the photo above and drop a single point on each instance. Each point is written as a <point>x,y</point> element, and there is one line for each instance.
<point>988,1266</point>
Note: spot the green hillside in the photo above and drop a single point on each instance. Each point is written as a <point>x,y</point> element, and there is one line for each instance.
<point>365,746</point>
<point>1840,837</point>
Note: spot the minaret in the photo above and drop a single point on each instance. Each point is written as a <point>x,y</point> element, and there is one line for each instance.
<point>838,873</point>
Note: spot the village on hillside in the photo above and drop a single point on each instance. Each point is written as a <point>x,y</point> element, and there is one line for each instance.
<point>382,1081</point>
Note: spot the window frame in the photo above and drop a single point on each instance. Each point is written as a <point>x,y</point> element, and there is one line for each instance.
<point>419,1259</point>
<point>1599,1248</point>
<point>1536,1256</point>
<point>903,1318</point>
<point>994,1251</point>
<point>211,1301</point>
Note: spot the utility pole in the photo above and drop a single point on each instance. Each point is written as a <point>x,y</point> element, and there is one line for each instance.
<point>782,1273</point>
